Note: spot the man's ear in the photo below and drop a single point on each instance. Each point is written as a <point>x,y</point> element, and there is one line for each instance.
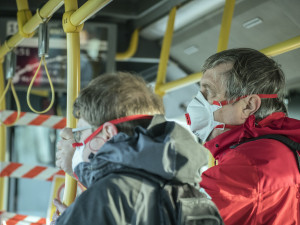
<point>252,104</point>
<point>109,130</point>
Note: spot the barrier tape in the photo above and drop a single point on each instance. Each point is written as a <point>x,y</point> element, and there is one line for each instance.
<point>7,218</point>
<point>19,170</point>
<point>27,118</point>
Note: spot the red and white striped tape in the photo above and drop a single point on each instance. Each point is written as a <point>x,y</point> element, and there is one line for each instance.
<point>19,170</point>
<point>7,218</point>
<point>27,118</point>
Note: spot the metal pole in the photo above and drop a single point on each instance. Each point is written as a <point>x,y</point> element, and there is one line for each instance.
<point>87,10</point>
<point>132,47</point>
<point>223,44</point>
<point>73,76</point>
<point>165,52</point>
<point>45,12</point>
<point>271,51</point>
<point>2,141</point>
<point>282,47</point>
<point>225,26</point>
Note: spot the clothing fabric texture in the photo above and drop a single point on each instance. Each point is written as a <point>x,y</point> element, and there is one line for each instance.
<point>119,179</point>
<point>258,182</point>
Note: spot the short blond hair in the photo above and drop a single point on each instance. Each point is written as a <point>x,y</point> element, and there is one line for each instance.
<point>116,95</point>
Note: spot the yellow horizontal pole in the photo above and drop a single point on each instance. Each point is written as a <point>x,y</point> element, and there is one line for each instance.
<point>225,26</point>
<point>2,139</point>
<point>165,52</point>
<point>273,50</point>
<point>87,10</point>
<point>10,44</point>
<point>45,12</point>
<point>132,47</point>
<point>176,84</point>
<point>282,47</point>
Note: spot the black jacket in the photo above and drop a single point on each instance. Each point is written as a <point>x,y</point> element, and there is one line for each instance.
<point>125,177</point>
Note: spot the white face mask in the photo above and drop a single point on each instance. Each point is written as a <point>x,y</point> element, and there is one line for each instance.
<point>79,146</point>
<point>78,156</point>
<point>200,116</point>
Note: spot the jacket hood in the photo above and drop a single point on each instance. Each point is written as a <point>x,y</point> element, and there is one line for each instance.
<point>276,123</point>
<point>164,149</point>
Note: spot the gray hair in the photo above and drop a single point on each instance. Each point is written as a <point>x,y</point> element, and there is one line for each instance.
<point>252,73</point>
<point>116,95</point>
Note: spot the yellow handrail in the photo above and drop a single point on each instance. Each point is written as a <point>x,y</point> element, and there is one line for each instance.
<point>132,47</point>
<point>72,23</point>
<point>2,139</point>
<point>165,52</point>
<point>22,4</point>
<point>45,12</point>
<point>73,76</point>
<point>282,47</point>
<point>271,51</point>
<point>42,14</point>
<point>223,44</point>
<point>176,84</point>
<point>87,10</point>
<point>226,24</point>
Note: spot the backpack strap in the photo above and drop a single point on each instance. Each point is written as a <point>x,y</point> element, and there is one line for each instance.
<point>292,145</point>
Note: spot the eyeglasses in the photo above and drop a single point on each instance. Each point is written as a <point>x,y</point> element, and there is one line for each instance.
<point>115,121</point>
<point>77,132</point>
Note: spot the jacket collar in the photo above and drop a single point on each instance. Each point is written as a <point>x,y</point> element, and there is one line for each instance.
<point>249,129</point>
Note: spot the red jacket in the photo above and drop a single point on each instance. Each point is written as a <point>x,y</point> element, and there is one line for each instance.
<point>257,182</point>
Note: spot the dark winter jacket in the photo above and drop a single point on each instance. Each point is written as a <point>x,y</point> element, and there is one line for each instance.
<point>124,180</point>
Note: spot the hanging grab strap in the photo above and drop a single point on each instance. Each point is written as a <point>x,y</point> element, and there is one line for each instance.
<point>50,83</point>
<point>10,83</point>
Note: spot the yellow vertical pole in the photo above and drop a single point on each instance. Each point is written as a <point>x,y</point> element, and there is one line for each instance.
<point>132,47</point>
<point>165,52</point>
<point>223,43</point>
<point>2,139</point>
<point>226,24</point>
<point>73,77</point>
<point>22,4</point>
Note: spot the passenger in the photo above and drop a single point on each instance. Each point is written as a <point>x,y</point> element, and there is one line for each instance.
<point>242,97</point>
<point>135,168</point>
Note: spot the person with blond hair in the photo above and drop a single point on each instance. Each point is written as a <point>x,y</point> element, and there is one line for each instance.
<point>137,167</point>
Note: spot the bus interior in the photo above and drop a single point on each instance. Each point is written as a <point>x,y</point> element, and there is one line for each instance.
<point>125,35</point>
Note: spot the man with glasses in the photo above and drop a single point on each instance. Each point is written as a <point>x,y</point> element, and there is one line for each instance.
<point>136,167</point>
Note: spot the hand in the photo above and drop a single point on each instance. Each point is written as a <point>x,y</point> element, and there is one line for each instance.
<point>65,151</point>
<point>60,208</point>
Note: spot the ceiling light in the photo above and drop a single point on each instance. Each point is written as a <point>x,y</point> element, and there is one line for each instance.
<point>252,23</point>
<point>191,50</point>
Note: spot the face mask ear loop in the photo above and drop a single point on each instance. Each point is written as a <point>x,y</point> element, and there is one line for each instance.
<point>117,121</point>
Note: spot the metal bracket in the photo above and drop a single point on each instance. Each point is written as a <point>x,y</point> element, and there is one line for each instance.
<point>43,40</point>
<point>11,60</point>
<point>68,26</point>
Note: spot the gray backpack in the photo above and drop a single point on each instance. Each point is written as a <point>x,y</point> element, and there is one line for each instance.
<point>183,204</point>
